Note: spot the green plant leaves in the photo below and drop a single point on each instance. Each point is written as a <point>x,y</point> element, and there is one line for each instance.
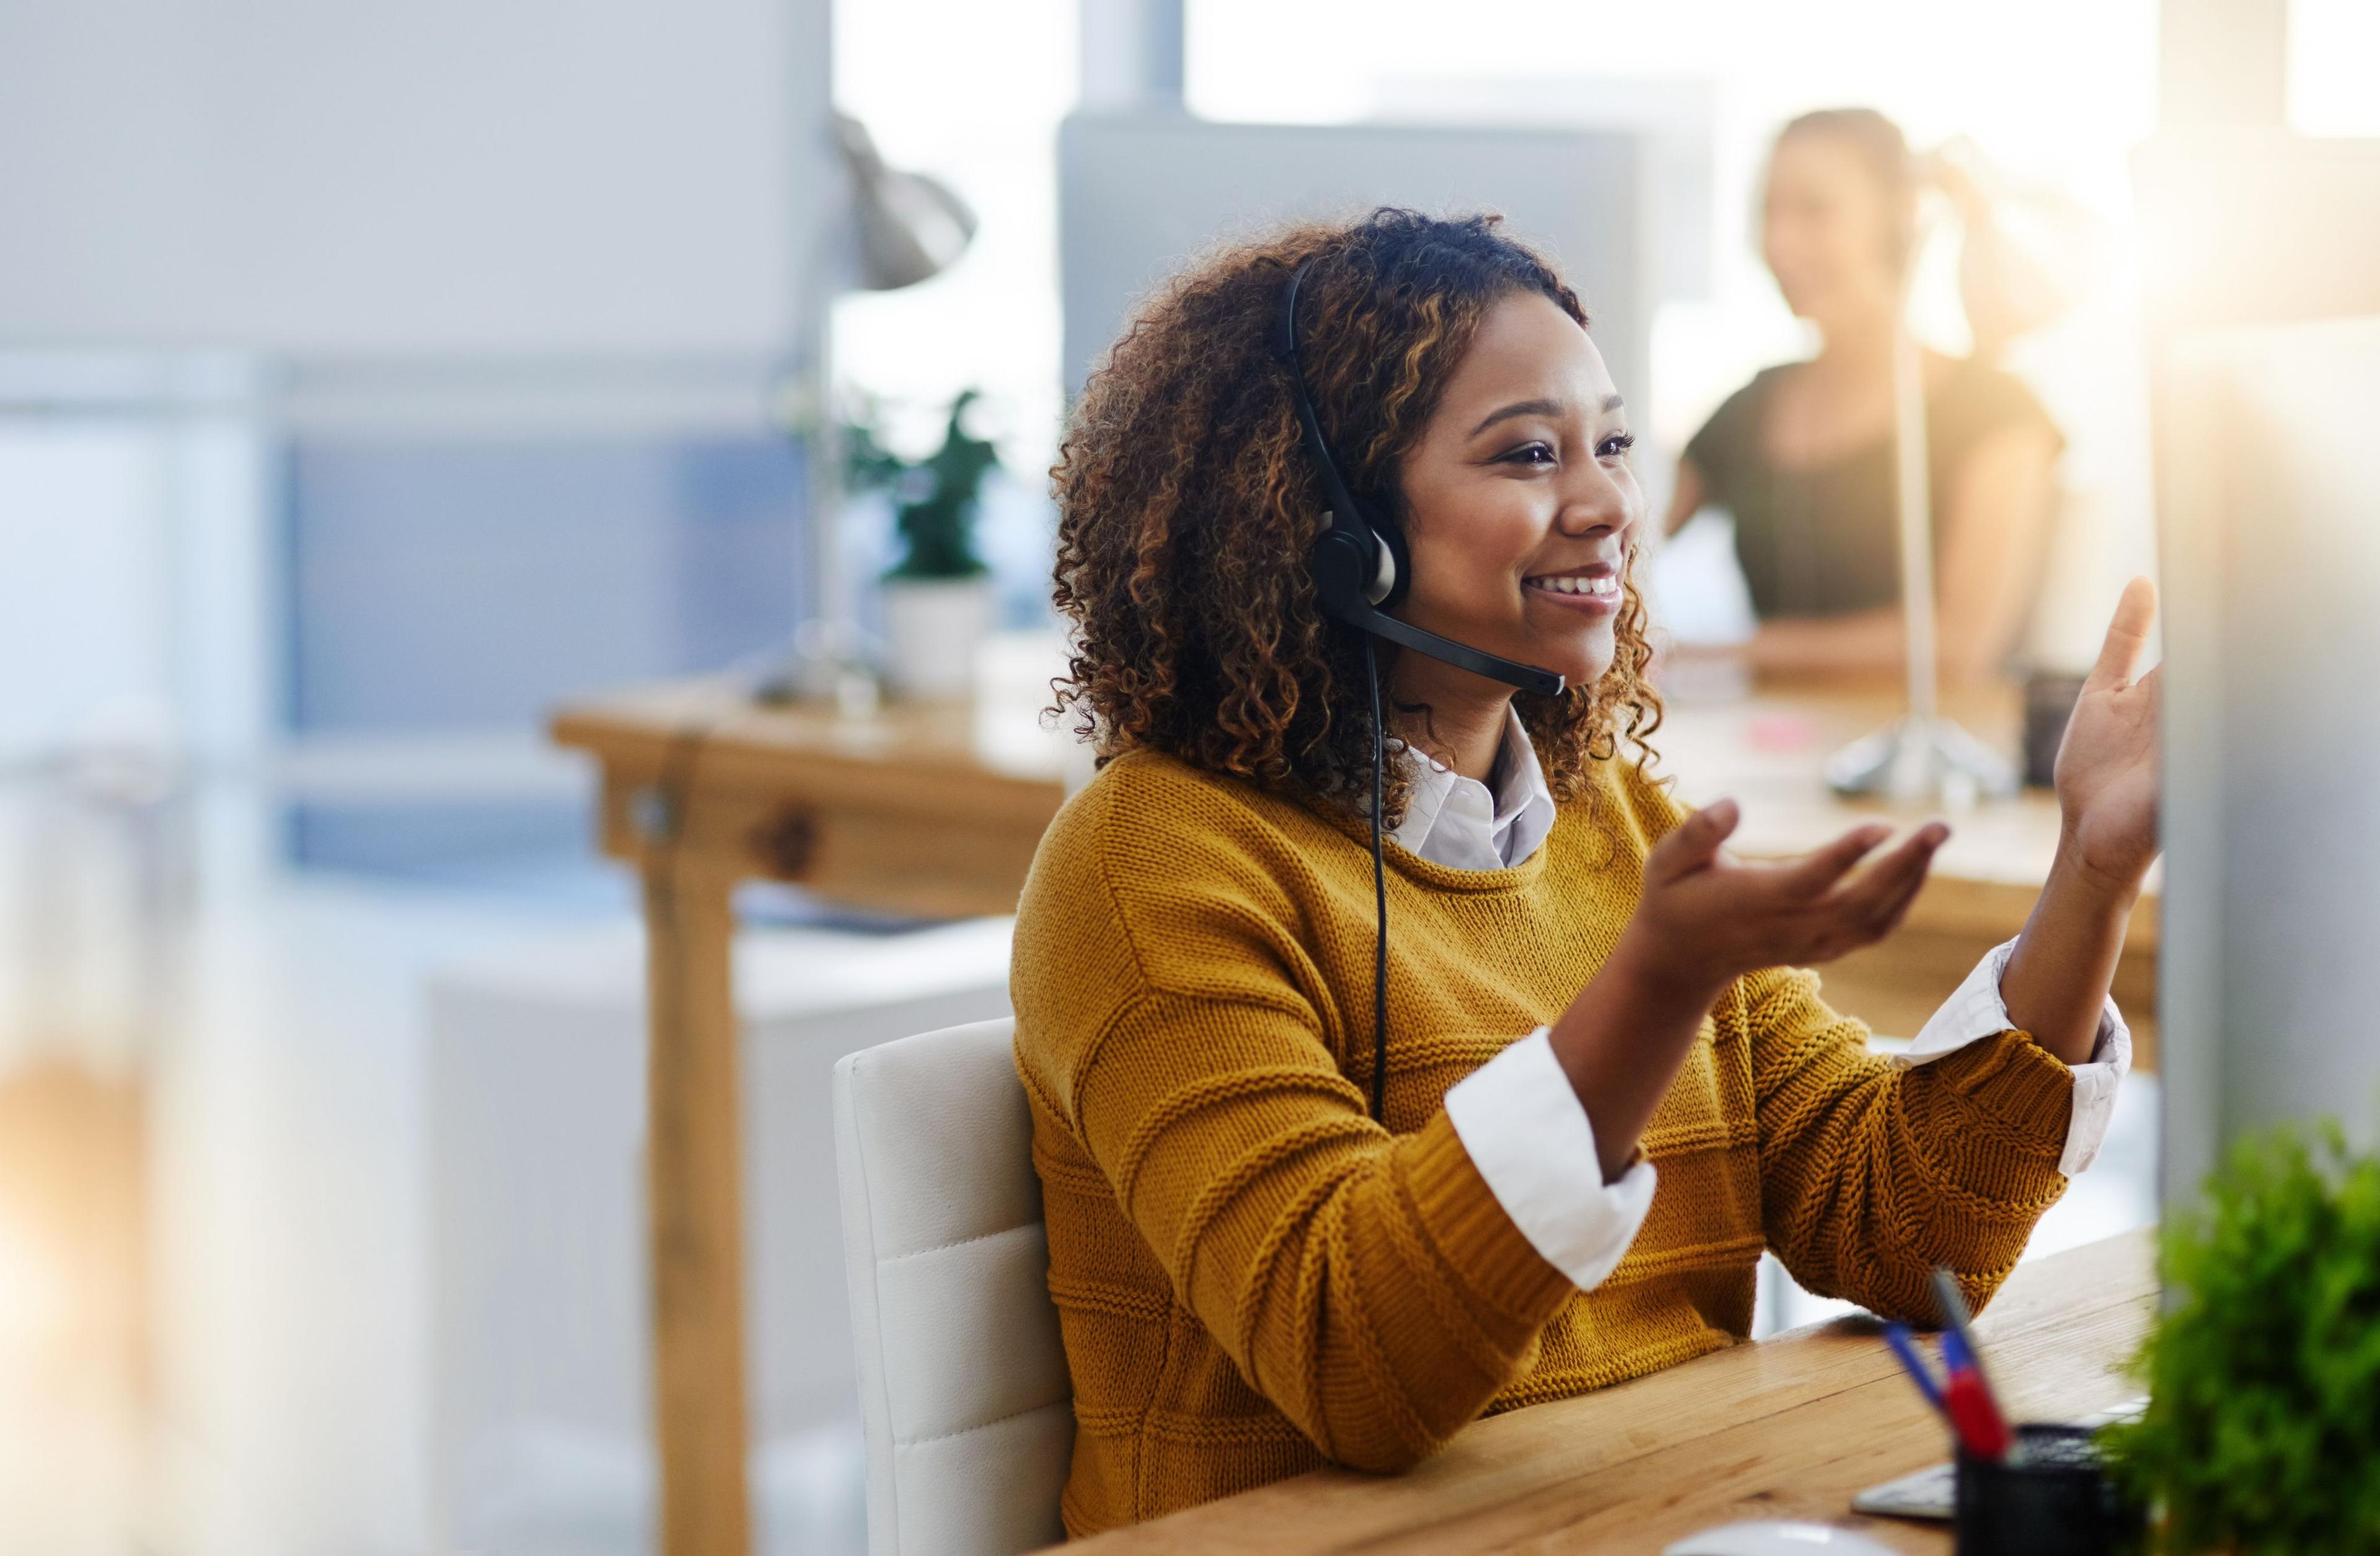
<point>2262,1431</point>
<point>936,498</point>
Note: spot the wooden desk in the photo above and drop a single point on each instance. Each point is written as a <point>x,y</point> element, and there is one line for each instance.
<point>910,812</point>
<point>1789,1428</point>
<point>922,808</point>
<point>935,809</point>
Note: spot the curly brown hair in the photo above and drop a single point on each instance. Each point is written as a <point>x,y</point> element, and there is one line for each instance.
<point>1186,507</point>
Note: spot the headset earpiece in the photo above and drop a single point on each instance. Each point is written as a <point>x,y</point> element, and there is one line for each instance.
<point>1389,575</point>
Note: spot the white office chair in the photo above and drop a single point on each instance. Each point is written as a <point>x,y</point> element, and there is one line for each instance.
<point>962,1384</point>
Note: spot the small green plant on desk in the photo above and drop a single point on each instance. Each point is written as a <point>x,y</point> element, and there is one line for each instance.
<point>938,598</point>
<point>2262,1431</point>
<point>936,499</point>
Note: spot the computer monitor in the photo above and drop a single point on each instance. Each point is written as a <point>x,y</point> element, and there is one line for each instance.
<point>1140,195</point>
<point>2268,479</point>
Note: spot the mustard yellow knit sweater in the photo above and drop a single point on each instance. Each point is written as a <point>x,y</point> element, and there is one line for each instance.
<point>1255,1279</point>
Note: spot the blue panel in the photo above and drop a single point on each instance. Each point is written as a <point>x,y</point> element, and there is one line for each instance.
<point>446,583</point>
<point>450,583</point>
<point>738,553</point>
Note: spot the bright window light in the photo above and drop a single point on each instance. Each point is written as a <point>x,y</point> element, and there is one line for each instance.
<point>972,95</point>
<point>2333,46</point>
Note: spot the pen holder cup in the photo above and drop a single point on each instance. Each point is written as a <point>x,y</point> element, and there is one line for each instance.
<point>2051,1497</point>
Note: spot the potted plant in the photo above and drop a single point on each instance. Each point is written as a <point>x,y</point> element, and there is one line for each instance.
<point>938,597</point>
<point>2263,1429</point>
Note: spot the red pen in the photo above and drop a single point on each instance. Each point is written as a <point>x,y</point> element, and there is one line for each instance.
<point>1967,1396</point>
<point>1982,1431</point>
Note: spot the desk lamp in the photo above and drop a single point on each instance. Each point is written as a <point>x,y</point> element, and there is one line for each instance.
<point>2006,291</point>
<point>1922,756</point>
<point>898,229</point>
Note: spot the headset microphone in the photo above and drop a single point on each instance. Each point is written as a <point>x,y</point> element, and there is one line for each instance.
<point>1360,569</point>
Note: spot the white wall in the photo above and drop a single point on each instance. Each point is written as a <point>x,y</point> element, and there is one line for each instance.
<point>83,590</point>
<point>437,176</point>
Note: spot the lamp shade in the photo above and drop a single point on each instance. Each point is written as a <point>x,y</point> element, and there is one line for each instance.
<point>910,227</point>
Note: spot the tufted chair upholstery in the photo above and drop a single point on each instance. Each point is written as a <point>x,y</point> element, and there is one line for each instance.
<point>963,1385</point>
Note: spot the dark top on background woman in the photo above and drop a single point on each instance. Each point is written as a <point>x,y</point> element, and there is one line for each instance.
<point>1803,456</point>
<point>1820,540</point>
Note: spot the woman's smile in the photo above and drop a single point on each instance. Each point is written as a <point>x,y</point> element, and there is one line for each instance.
<point>1593,589</point>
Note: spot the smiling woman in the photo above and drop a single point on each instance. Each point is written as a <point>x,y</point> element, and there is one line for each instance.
<point>1526,465</point>
<point>1256,1273</point>
<point>1189,426</point>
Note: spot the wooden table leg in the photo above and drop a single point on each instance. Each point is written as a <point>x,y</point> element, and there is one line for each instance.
<point>694,1167</point>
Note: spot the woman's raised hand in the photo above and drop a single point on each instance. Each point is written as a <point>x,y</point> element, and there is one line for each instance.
<point>1706,918</point>
<point>2107,763</point>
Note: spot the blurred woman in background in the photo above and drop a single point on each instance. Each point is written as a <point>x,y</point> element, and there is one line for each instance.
<point>1803,455</point>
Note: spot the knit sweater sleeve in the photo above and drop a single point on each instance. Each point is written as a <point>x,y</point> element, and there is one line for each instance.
<point>1367,1284</point>
<point>1873,1173</point>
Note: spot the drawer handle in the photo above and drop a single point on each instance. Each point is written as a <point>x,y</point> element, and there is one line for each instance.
<point>786,843</point>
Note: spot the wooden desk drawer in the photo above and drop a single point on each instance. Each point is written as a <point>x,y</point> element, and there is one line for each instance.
<point>944,863</point>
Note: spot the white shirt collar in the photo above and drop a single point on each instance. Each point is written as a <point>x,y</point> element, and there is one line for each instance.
<point>1462,823</point>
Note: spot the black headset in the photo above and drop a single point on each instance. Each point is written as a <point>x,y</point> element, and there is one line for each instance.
<point>1360,571</point>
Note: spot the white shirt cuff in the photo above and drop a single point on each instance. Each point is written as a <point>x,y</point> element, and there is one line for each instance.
<point>1977,1011</point>
<point>1530,1138</point>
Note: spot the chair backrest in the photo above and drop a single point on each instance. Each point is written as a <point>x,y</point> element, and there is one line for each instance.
<point>962,1384</point>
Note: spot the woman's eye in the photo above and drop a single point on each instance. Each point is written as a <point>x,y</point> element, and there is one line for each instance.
<point>1615,445</point>
<point>1530,454</point>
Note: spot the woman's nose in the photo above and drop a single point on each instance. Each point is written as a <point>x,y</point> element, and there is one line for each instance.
<point>1598,499</point>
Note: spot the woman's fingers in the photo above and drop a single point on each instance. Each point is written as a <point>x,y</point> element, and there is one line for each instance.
<point>1889,919</point>
<point>1821,868</point>
<point>1694,843</point>
<point>1857,912</point>
<point>2128,635</point>
<point>1886,887</point>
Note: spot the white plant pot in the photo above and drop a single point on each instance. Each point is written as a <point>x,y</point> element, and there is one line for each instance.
<point>932,628</point>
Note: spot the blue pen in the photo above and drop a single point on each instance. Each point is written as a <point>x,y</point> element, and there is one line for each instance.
<point>1905,1350</point>
<point>1956,1358</point>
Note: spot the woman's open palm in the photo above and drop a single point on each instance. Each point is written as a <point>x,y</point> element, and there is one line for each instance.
<point>2107,763</point>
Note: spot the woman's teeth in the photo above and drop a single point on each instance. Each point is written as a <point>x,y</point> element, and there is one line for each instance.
<point>1575,583</point>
